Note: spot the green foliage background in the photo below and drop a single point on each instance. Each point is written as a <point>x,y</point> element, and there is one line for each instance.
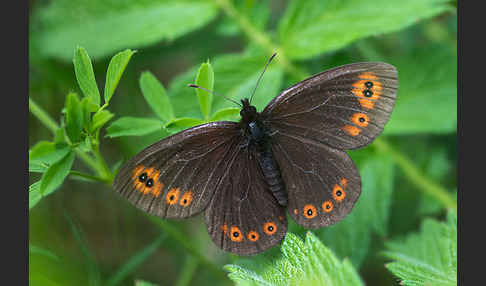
<point>107,78</point>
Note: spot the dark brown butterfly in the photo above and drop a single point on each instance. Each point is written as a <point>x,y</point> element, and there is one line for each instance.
<point>289,156</point>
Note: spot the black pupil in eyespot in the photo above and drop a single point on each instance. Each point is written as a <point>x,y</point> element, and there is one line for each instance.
<point>235,234</point>
<point>309,212</point>
<point>368,93</point>
<point>338,193</point>
<point>369,84</point>
<point>142,177</point>
<point>149,183</point>
<point>185,201</point>
<point>328,206</point>
<point>361,119</point>
<point>252,236</point>
<point>270,228</point>
<point>171,198</point>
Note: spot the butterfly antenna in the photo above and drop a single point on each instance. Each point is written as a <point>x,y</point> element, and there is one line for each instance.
<point>258,81</point>
<point>227,98</point>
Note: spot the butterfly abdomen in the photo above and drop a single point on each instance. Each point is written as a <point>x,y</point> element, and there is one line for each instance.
<point>272,176</point>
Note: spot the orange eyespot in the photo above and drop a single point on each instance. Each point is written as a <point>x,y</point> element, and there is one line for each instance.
<point>253,235</point>
<point>270,228</point>
<point>310,211</point>
<point>296,211</point>
<point>186,199</point>
<point>172,196</point>
<point>280,218</point>
<point>327,206</point>
<point>338,193</point>
<point>235,234</point>
<point>344,182</point>
<point>368,88</point>
<point>352,130</point>
<point>224,229</point>
<point>360,119</point>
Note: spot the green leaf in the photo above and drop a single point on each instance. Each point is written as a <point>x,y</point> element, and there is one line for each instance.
<point>432,86</point>
<point>85,75</point>
<point>34,194</point>
<point>205,79</point>
<point>428,257</point>
<point>38,250</point>
<point>109,26</point>
<point>156,96</point>
<point>144,283</point>
<point>100,119</point>
<point>226,114</point>
<point>306,262</point>
<point>134,262</point>
<point>313,27</point>
<point>46,153</point>
<point>94,276</point>
<point>351,237</point>
<point>115,70</point>
<point>236,76</point>
<point>179,124</point>
<point>74,117</point>
<point>55,174</point>
<point>133,126</point>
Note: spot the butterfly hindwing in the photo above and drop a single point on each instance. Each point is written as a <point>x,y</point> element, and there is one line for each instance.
<point>345,107</point>
<point>174,178</point>
<point>243,217</point>
<point>322,183</point>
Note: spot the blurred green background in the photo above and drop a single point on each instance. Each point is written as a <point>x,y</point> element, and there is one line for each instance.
<point>85,234</point>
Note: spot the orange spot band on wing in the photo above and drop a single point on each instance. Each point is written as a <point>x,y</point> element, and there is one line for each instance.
<point>344,182</point>
<point>186,199</point>
<point>253,235</point>
<point>338,193</point>
<point>327,206</point>
<point>368,89</point>
<point>172,196</point>
<point>236,234</point>
<point>270,228</point>
<point>310,211</point>
<point>352,130</point>
<point>360,119</point>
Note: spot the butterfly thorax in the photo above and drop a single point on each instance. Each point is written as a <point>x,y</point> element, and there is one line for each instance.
<point>257,135</point>
<point>252,125</point>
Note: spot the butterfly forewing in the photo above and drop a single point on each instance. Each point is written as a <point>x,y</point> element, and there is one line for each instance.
<point>175,177</point>
<point>345,107</point>
<point>322,183</point>
<point>243,217</point>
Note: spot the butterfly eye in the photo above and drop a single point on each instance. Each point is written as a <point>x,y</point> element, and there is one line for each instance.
<point>327,206</point>
<point>310,211</point>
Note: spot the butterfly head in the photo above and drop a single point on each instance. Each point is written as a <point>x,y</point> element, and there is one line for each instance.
<point>248,112</point>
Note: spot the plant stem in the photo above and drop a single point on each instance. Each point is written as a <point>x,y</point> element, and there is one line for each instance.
<point>188,270</point>
<point>254,34</point>
<point>89,177</point>
<point>43,117</point>
<point>412,172</point>
<point>182,239</point>
<point>50,124</point>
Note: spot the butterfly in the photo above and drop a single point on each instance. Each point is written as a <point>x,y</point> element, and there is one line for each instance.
<point>287,159</point>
